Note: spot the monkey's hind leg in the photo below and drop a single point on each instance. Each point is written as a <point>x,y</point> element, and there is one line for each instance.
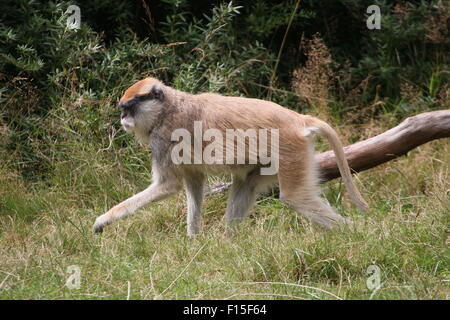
<point>193,184</point>
<point>299,190</point>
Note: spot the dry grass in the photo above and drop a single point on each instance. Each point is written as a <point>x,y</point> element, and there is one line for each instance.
<point>312,81</point>
<point>277,255</point>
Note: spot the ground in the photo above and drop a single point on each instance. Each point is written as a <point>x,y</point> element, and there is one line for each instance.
<point>45,228</point>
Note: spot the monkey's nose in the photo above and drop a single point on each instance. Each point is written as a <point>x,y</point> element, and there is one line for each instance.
<point>123,115</point>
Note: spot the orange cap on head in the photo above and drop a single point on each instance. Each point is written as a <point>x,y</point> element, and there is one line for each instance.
<point>139,88</point>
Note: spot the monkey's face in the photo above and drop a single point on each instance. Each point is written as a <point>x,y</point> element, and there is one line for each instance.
<point>140,112</point>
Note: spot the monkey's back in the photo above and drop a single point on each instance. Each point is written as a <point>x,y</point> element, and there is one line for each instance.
<point>247,113</point>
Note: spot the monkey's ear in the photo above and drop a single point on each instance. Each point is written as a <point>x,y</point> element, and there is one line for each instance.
<point>157,93</point>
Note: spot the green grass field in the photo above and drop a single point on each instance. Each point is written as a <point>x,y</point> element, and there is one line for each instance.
<point>44,229</point>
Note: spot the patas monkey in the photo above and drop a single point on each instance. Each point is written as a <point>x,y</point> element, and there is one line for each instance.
<point>154,111</point>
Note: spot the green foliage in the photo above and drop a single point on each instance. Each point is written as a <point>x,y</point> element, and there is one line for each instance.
<point>48,67</point>
<point>409,48</point>
<point>50,72</point>
<point>210,57</point>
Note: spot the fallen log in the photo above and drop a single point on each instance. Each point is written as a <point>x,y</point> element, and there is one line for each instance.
<point>409,134</point>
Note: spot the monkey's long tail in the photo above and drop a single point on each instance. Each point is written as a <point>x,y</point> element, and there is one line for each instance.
<point>323,129</point>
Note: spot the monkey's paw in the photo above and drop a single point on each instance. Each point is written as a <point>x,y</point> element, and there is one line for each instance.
<point>99,224</point>
<point>98,228</point>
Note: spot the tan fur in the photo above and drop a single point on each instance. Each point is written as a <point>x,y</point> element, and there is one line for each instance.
<point>157,118</point>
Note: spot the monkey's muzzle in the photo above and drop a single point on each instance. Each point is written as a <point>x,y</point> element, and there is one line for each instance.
<point>126,121</point>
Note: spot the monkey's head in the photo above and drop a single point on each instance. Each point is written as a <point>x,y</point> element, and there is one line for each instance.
<point>141,105</point>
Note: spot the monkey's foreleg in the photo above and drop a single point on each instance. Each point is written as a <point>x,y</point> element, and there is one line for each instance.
<point>155,192</point>
<point>194,195</point>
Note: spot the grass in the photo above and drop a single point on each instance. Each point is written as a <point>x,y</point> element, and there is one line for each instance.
<point>45,228</point>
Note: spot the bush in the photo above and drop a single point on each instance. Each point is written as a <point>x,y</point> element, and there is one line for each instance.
<point>59,86</point>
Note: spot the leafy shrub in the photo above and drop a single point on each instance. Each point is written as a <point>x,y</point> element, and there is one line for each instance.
<point>59,86</point>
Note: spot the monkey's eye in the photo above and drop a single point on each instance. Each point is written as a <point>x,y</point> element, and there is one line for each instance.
<point>129,104</point>
<point>129,107</point>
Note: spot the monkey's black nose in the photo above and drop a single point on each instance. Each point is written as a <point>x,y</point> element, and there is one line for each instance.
<point>123,114</point>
